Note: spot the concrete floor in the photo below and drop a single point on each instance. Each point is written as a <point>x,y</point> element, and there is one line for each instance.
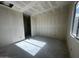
<point>53,49</point>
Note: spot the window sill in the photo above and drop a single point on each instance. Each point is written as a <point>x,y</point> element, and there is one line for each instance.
<point>74,36</point>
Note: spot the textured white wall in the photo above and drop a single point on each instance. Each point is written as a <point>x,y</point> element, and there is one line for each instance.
<point>73,43</point>
<point>11,26</point>
<point>51,23</point>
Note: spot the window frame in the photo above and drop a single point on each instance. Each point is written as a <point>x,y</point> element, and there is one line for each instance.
<point>74,22</point>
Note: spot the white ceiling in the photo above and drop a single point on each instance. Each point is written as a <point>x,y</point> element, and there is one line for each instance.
<point>36,7</point>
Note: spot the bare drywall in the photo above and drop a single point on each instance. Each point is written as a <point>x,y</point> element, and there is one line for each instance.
<point>33,26</point>
<point>73,43</point>
<point>11,26</point>
<point>52,23</point>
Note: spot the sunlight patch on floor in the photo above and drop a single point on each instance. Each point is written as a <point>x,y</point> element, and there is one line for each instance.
<point>36,42</point>
<point>31,46</point>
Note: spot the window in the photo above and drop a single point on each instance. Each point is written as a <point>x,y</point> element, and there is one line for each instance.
<point>75,27</point>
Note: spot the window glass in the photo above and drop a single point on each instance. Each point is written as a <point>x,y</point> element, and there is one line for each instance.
<point>76,22</point>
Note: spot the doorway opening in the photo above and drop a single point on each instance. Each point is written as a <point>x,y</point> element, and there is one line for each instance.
<point>27,25</point>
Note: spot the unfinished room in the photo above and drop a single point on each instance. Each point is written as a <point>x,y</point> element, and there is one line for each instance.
<point>39,29</point>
